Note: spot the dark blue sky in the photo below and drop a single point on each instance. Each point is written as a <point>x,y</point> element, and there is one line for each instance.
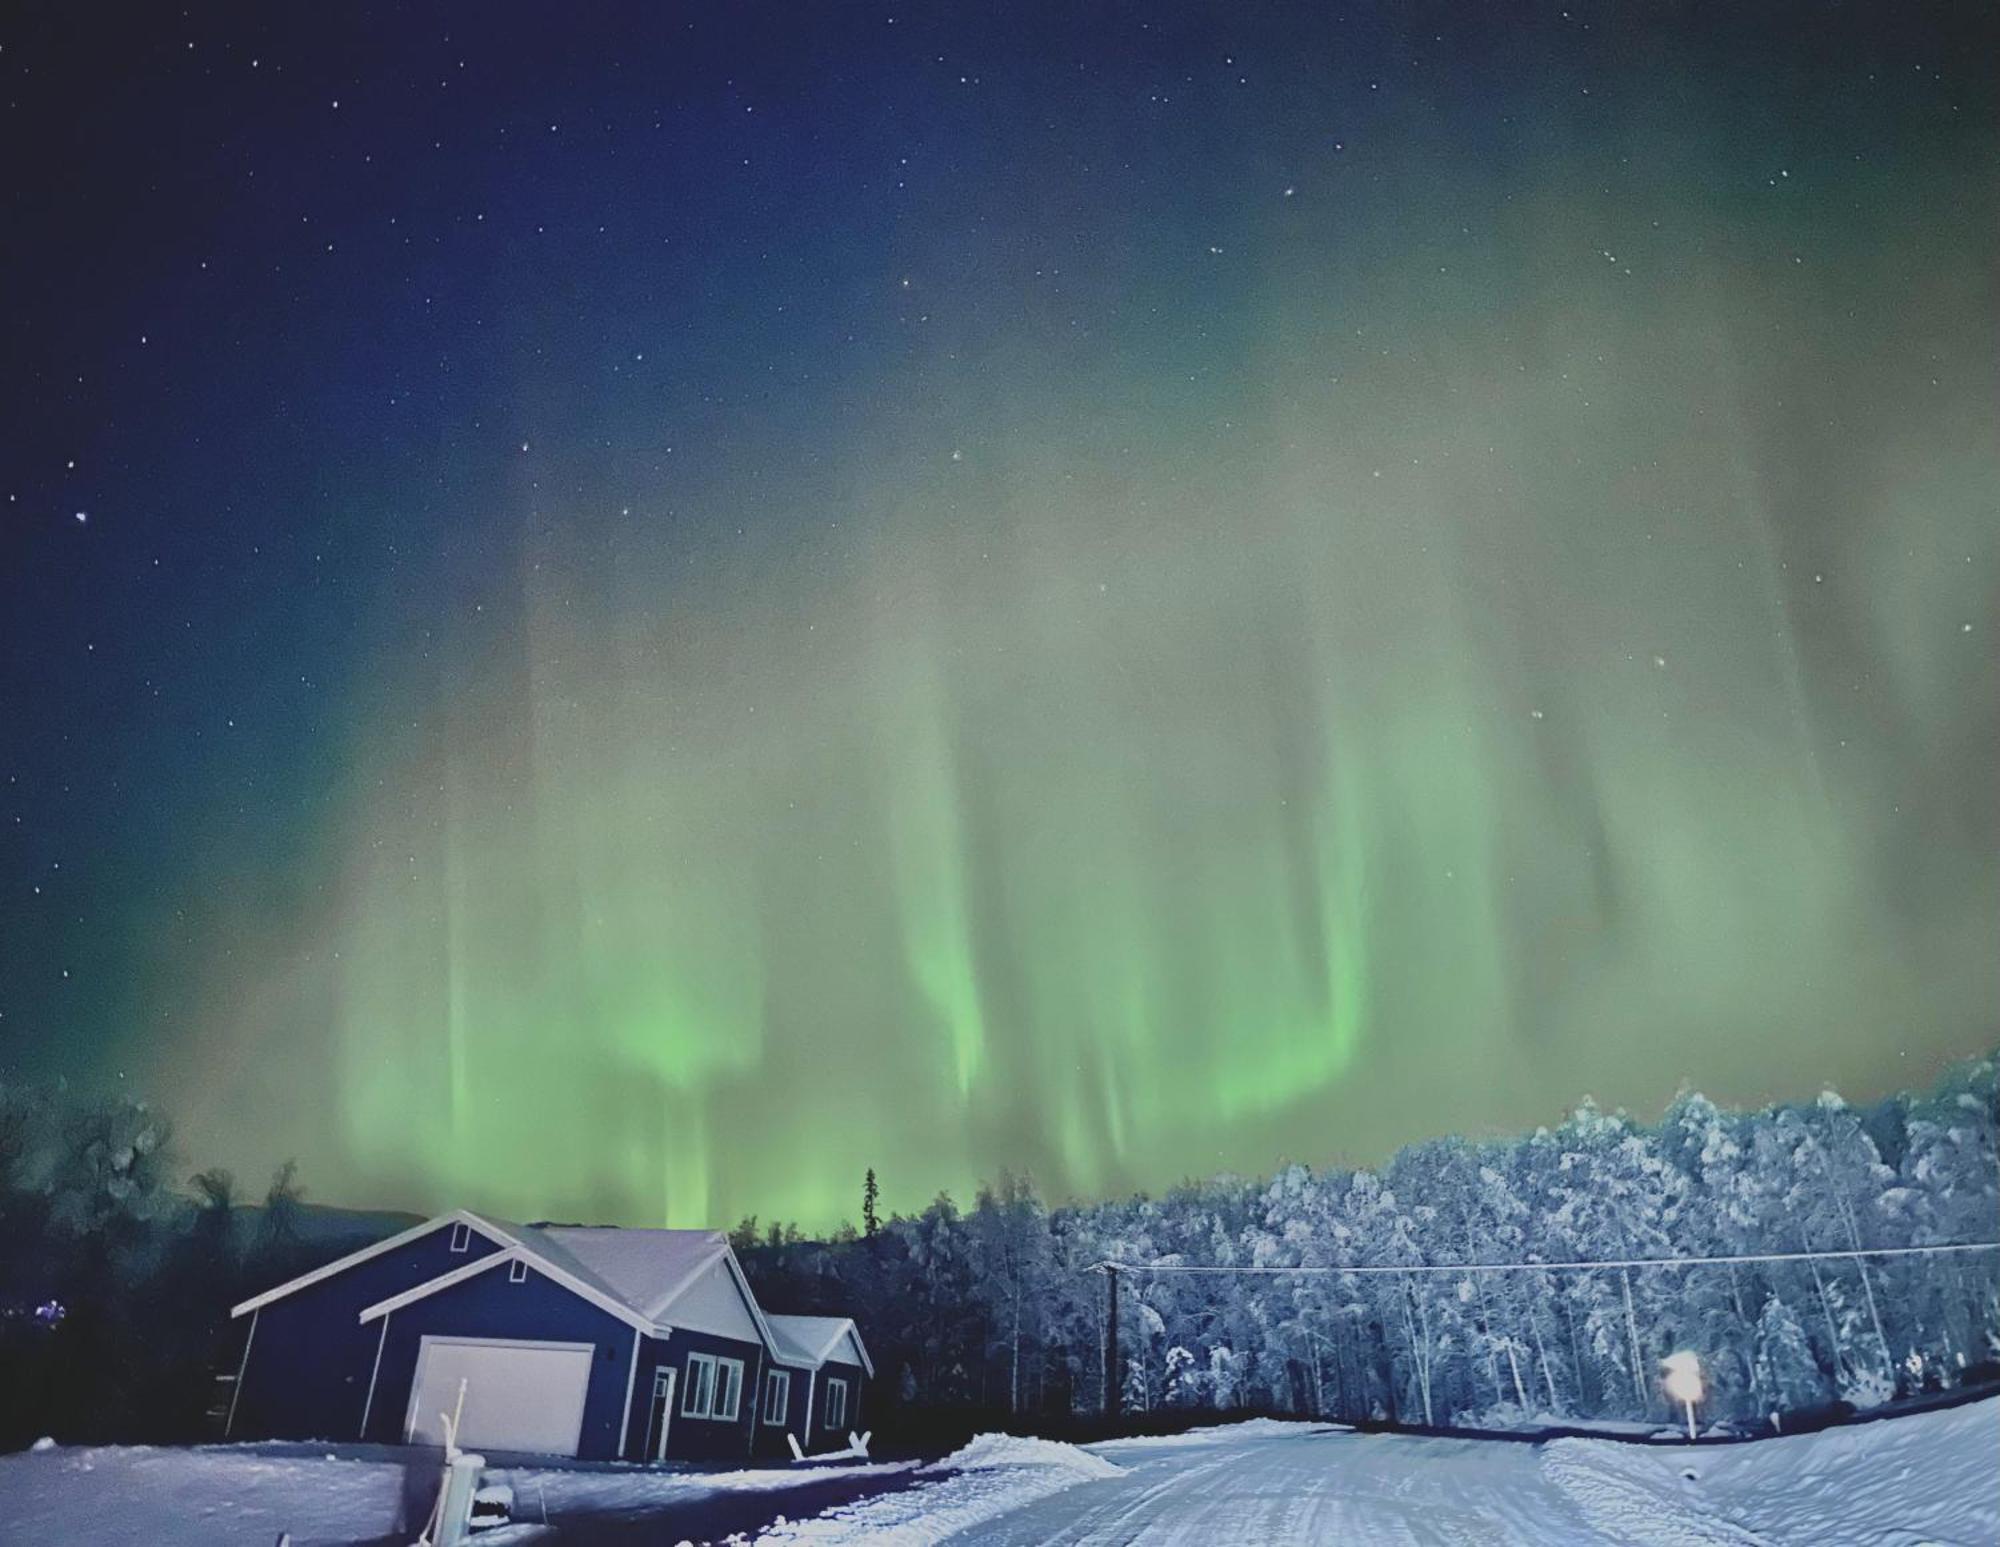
<point>326,329</point>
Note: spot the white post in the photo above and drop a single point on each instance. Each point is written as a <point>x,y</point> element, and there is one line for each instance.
<point>1683,1382</point>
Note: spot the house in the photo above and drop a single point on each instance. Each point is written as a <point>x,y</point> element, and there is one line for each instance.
<point>602,1343</point>
<point>813,1389</point>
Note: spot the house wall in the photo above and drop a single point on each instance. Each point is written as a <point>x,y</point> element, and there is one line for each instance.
<point>857,1381</point>
<point>771,1439</point>
<point>306,1376</point>
<point>697,1439</point>
<point>488,1305</point>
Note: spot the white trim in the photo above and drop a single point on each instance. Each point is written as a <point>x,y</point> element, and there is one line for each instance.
<point>722,1370</point>
<point>369,1406</point>
<point>812,1380</point>
<point>631,1375</point>
<point>655,1446</point>
<point>461,1239</point>
<point>430,1339</point>
<point>517,1271</point>
<point>784,1407</point>
<point>242,1369</point>
<point>519,1250</point>
<point>415,1232</point>
<point>754,1382</point>
<point>836,1383</point>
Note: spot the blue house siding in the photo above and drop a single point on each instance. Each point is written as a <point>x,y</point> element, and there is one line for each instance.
<point>771,1437</point>
<point>695,1439</point>
<point>824,1438</point>
<point>306,1376</point>
<point>488,1305</point>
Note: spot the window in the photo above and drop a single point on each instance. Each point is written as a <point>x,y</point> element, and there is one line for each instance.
<point>714,1387</point>
<point>836,1404</point>
<point>517,1271</point>
<point>461,1236</point>
<point>777,1396</point>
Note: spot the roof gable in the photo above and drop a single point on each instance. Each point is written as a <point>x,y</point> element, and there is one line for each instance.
<point>581,1287</point>
<point>653,1280</point>
<point>491,1229</point>
<point>812,1340</point>
<point>647,1269</point>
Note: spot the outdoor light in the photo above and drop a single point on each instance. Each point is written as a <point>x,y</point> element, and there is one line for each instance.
<point>1683,1381</point>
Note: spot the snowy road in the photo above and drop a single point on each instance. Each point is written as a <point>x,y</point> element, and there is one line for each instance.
<point>1305,1487</point>
<point>1921,1479</point>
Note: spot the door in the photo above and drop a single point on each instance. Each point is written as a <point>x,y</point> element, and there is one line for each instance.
<point>659,1413</point>
<point>517,1395</point>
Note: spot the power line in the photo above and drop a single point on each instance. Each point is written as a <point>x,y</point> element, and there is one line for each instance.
<point>1551,1267</point>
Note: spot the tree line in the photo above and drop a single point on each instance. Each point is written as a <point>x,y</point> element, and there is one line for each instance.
<point>994,1310</point>
<point>116,1279</point>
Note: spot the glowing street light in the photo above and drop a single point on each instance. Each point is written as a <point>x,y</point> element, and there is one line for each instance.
<point>1683,1381</point>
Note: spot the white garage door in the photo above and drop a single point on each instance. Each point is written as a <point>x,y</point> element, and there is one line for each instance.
<point>518,1396</point>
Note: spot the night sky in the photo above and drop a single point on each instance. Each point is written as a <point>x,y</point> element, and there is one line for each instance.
<point>623,612</point>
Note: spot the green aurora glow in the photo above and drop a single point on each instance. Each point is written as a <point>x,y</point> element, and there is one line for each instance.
<point>1391,676</point>
<point>1133,822</point>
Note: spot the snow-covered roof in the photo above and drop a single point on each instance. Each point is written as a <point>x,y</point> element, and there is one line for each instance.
<point>479,1222</point>
<point>646,1269</point>
<point>812,1340</point>
<point>635,1275</point>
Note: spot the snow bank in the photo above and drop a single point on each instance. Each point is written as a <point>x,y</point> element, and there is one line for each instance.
<point>992,1476</point>
<point>1219,1434</point>
<point>560,1491</point>
<point>1927,1477</point>
<point>987,1451</point>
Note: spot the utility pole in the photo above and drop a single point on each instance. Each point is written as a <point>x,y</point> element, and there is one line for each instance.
<point>1114,1387</point>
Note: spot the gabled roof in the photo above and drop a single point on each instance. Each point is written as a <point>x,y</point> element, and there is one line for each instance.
<point>812,1340</point>
<point>634,1275</point>
<point>486,1227</point>
<point>647,1269</point>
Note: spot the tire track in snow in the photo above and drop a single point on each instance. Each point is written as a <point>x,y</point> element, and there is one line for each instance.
<point>1633,1509</point>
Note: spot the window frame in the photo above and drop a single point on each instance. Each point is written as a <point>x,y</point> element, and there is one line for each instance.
<point>517,1271</point>
<point>461,1238</point>
<point>713,1389</point>
<point>777,1383</point>
<point>836,1383</point>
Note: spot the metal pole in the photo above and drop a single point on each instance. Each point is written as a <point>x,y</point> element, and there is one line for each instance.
<point>1114,1388</point>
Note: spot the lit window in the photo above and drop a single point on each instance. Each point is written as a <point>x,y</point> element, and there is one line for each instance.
<point>517,1271</point>
<point>461,1236</point>
<point>777,1396</point>
<point>836,1404</point>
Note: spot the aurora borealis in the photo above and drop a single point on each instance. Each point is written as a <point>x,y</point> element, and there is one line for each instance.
<point>625,616</point>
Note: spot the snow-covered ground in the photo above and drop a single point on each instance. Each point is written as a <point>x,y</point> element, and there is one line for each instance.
<point>1926,1478</point>
<point>140,1496</point>
<point>220,1496</point>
